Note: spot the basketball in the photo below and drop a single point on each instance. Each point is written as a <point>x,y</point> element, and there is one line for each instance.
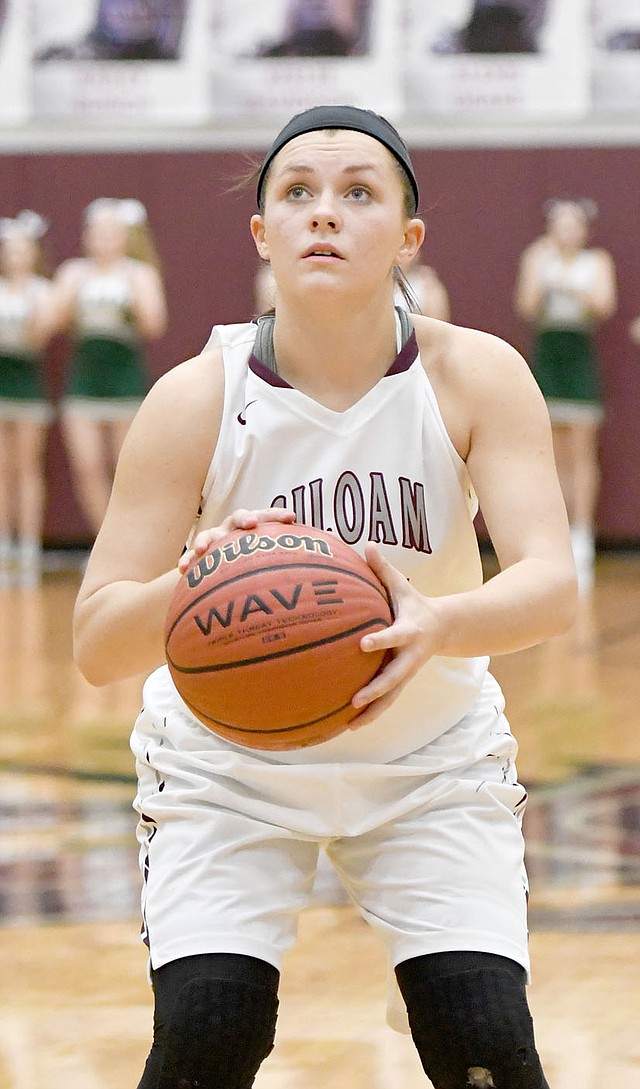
<point>263,635</point>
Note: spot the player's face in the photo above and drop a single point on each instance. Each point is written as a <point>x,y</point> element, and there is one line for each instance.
<point>334,214</point>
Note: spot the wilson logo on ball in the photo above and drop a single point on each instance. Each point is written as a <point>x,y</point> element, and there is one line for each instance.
<point>249,543</point>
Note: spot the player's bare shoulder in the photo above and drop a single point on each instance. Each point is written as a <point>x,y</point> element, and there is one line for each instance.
<point>198,381</point>
<point>185,404</point>
<point>460,356</point>
<point>472,373</point>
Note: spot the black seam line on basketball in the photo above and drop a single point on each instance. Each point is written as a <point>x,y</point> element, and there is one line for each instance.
<point>267,729</point>
<point>288,653</point>
<point>306,564</point>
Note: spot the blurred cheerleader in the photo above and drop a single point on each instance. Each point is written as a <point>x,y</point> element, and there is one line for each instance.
<point>111,300</point>
<point>420,290</point>
<point>566,289</point>
<point>25,412</point>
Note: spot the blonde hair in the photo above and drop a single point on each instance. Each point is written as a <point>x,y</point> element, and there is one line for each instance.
<point>132,213</point>
<point>586,205</point>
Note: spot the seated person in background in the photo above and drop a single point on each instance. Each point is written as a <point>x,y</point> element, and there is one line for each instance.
<point>127,30</point>
<point>495,27</point>
<point>322,28</point>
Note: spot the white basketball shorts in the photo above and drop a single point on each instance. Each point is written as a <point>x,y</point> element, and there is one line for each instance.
<point>428,847</point>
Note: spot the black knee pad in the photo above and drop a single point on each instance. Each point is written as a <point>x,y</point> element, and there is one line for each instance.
<point>470,1021</point>
<point>218,1035</point>
<point>214,1024</point>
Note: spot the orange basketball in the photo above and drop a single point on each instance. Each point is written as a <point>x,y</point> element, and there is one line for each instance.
<point>263,635</point>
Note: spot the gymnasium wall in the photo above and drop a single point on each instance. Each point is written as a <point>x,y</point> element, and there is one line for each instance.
<point>481,206</point>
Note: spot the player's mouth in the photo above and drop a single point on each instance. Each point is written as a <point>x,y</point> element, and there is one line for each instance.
<point>323,252</point>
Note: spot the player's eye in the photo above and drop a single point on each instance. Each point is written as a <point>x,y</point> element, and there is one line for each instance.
<point>297,192</point>
<point>359,193</point>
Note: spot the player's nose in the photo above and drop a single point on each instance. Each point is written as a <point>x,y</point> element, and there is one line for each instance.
<point>325,212</point>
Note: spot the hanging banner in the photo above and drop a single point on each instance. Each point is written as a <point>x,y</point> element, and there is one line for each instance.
<point>15,65</point>
<point>616,55</point>
<point>484,59</point>
<point>273,58</point>
<point>121,60</point>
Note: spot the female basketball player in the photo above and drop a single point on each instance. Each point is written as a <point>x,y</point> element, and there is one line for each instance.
<point>346,412</point>
<point>25,411</point>
<point>111,301</point>
<point>566,289</point>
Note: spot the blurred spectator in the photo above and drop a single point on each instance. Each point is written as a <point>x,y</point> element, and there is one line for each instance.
<point>111,300</point>
<point>25,411</point>
<point>264,289</point>
<point>566,289</point>
<point>420,289</point>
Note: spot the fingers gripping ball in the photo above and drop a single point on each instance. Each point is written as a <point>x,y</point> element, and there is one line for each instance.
<point>263,635</point>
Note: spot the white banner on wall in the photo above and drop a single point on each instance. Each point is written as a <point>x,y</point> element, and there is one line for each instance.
<point>616,55</point>
<point>15,68</point>
<point>480,58</point>
<point>273,58</point>
<point>118,60</point>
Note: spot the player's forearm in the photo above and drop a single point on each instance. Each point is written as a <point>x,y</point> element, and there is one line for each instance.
<point>118,629</point>
<point>523,605</point>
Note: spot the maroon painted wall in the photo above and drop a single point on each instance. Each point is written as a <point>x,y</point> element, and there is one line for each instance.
<point>481,206</point>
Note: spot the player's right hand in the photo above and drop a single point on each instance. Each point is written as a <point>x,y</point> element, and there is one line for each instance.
<point>240,519</point>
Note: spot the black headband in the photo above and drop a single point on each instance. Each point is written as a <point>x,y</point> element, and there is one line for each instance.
<point>342,117</point>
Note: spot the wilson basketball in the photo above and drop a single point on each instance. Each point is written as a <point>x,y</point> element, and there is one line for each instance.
<point>263,635</point>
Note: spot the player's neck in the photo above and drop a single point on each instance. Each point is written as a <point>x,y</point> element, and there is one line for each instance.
<point>335,360</point>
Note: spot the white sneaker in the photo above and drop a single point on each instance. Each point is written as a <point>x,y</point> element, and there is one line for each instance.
<point>28,563</point>
<point>584,554</point>
<point>6,561</point>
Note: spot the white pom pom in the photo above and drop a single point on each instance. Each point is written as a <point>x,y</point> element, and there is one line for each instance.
<point>27,223</point>
<point>32,223</point>
<point>133,212</point>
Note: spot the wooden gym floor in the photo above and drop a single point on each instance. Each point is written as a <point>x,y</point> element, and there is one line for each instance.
<point>75,1008</point>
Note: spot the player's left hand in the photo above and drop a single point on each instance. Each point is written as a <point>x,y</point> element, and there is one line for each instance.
<point>413,638</point>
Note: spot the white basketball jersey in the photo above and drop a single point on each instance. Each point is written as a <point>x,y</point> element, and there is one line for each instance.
<point>383,470</point>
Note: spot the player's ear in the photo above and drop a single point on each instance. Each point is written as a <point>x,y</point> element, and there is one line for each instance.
<point>413,238</point>
<point>257,231</point>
